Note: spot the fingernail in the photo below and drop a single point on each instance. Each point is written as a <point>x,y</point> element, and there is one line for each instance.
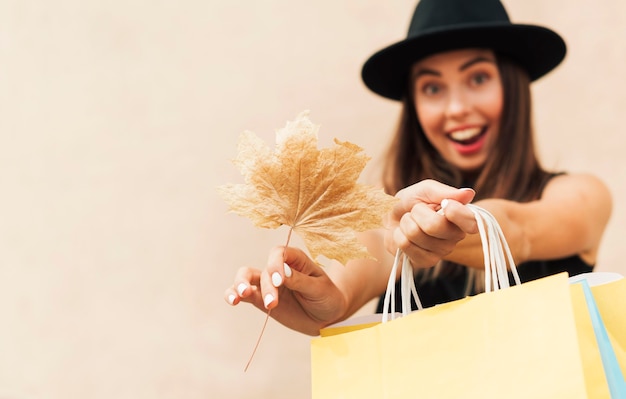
<point>287,270</point>
<point>277,279</point>
<point>269,298</point>
<point>241,288</point>
<point>469,189</point>
<point>231,299</point>
<point>444,203</point>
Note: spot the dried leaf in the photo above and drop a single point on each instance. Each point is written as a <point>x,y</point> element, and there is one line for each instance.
<point>313,191</point>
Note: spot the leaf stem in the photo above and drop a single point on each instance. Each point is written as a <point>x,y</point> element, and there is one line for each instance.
<point>267,316</point>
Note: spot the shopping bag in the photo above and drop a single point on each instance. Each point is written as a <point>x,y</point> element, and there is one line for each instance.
<point>519,342</point>
<point>610,300</point>
<point>602,353</point>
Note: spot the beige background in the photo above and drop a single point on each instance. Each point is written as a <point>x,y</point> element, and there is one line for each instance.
<point>118,120</point>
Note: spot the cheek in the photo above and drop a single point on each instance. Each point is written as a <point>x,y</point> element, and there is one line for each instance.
<point>496,106</point>
<point>431,118</point>
<point>494,103</point>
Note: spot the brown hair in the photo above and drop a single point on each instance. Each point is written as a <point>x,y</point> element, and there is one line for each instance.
<point>511,172</point>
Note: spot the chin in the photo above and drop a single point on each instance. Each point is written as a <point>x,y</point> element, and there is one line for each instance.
<point>470,167</point>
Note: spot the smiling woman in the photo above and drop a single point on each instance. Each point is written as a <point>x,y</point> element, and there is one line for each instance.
<point>465,134</point>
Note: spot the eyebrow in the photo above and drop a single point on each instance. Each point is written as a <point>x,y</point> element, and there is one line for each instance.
<point>473,61</point>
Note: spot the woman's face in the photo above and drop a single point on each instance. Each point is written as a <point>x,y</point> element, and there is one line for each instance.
<point>458,99</point>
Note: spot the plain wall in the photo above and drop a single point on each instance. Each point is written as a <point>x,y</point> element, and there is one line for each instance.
<point>119,120</point>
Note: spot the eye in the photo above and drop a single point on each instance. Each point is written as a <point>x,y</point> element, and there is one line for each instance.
<point>431,89</point>
<point>479,78</point>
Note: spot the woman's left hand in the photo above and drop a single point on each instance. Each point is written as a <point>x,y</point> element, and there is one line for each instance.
<point>428,221</point>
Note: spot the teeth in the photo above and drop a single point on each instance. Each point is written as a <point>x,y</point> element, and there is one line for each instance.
<point>465,134</point>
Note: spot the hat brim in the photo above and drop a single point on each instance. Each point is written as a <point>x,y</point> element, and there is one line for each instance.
<point>537,49</point>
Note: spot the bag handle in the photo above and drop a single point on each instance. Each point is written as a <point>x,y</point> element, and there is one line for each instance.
<point>496,253</point>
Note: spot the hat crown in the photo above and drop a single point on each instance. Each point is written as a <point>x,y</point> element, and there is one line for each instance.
<point>433,15</point>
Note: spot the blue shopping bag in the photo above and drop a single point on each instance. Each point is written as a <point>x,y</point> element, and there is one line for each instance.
<point>610,364</point>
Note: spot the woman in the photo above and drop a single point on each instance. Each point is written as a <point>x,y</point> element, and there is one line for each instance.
<point>463,76</point>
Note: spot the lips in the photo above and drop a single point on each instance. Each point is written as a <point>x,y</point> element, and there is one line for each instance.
<point>468,141</point>
<point>467,136</point>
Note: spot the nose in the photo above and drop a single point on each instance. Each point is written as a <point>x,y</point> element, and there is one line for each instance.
<point>458,105</point>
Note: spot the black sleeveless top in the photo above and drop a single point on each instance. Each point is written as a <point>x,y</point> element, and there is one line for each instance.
<point>448,288</point>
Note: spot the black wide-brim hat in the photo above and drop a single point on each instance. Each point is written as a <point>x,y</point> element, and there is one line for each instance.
<point>443,25</point>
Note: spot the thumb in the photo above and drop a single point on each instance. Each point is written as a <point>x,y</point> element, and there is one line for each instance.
<point>464,195</point>
<point>301,272</point>
<point>295,259</point>
<point>430,192</point>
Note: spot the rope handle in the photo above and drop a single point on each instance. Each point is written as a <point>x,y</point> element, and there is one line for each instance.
<point>496,253</point>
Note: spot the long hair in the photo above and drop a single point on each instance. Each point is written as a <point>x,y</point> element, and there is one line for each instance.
<point>512,170</point>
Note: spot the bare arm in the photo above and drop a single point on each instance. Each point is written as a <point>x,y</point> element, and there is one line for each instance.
<point>569,219</point>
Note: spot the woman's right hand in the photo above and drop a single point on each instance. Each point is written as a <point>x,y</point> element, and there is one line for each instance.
<point>419,226</point>
<point>298,292</point>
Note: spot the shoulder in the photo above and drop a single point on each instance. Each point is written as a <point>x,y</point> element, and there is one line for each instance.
<point>584,203</point>
<point>579,186</point>
<point>569,218</point>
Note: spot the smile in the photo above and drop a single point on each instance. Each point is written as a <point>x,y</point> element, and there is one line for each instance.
<point>467,136</point>
<point>469,141</point>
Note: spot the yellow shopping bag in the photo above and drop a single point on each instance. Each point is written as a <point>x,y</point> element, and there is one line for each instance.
<point>519,342</point>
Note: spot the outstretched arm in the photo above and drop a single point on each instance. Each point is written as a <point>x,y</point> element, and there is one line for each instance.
<point>568,219</point>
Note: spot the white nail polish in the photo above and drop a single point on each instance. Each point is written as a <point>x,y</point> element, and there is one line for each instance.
<point>277,279</point>
<point>231,298</point>
<point>441,211</point>
<point>287,270</point>
<point>241,288</point>
<point>269,298</point>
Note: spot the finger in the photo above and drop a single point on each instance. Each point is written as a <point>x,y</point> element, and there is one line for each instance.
<point>272,278</point>
<point>465,195</point>
<point>439,237</point>
<point>295,258</point>
<point>306,284</point>
<point>291,267</point>
<point>245,279</point>
<point>430,223</point>
<point>277,268</point>
<point>420,257</point>
<point>269,293</point>
<point>461,216</point>
<point>433,192</point>
<point>244,288</point>
<point>430,192</point>
<point>231,297</point>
